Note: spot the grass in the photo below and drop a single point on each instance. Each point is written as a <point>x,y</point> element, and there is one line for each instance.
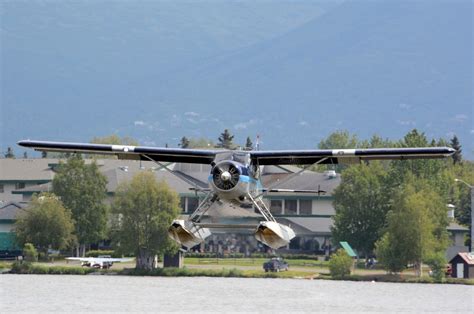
<point>250,262</point>
<point>32,268</point>
<point>224,272</point>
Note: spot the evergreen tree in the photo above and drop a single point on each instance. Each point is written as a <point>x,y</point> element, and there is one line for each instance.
<point>248,144</point>
<point>10,153</point>
<point>146,209</point>
<point>225,140</point>
<point>44,154</point>
<point>457,156</point>
<point>82,189</point>
<point>25,155</point>
<point>184,143</point>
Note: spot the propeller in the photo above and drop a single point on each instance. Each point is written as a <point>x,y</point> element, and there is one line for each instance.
<point>225,176</point>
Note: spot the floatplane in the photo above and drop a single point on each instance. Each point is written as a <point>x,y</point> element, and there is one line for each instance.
<point>234,179</point>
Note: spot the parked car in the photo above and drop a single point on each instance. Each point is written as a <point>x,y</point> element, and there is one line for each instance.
<point>276,264</point>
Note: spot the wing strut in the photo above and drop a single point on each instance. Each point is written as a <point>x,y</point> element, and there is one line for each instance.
<point>290,177</point>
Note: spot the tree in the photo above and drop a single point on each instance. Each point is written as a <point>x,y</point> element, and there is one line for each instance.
<point>114,139</point>
<point>29,253</point>
<point>457,156</point>
<point>10,153</point>
<point>416,228</point>
<point>145,209</point>
<point>361,203</point>
<point>340,264</point>
<point>184,143</point>
<point>25,155</point>
<point>339,139</point>
<point>82,189</point>
<point>248,144</point>
<point>44,154</point>
<point>200,143</point>
<point>225,140</point>
<point>45,223</point>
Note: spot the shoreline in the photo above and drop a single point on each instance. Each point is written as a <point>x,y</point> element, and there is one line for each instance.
<point>39,269</point>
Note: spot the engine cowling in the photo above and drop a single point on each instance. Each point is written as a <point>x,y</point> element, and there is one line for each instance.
<point>226,176</point>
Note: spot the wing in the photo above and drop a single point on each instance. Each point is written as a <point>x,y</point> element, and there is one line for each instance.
<point>114,260</point>
<point>337,156</point>
<point>82,259</point>
<point>199,156</point>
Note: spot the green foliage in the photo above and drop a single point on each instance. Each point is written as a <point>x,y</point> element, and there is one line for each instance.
<point>45,223</point>
<point>340,264</point>
<point>29,253</point>
<point>416,228</point>
<point>82,189</point>
<point>145,208</point>
<point>185,272</point>
<point>248,144</point>
<point>9,153</point>
<point>200,143</point>
<point>225,140</point>
<point>361,204</point>
<point>29,268</point>
<point>457,156</point>
<point>96,253</point>
<point>437,263</point>
<point>114,139</point>
<point>184,143</point>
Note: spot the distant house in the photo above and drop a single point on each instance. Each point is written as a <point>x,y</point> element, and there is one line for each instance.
<point>457,234</point>
<point>8,215</point>
<point>462,265</point>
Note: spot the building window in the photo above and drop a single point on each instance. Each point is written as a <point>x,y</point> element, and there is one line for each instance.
<point>193,203</point>
<point>19,185</point>
<point>276,207</point>
<point>291,207</point>
<point>182,204</point>
<point>306,207</point>
<point>2,188</point>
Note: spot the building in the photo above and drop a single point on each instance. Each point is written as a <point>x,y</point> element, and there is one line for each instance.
<point>9,212</point>
<point>462,265</point>
<point>309,214</point>
<point>309,210</point>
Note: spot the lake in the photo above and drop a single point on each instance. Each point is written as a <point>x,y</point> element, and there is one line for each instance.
<point>62,293</point>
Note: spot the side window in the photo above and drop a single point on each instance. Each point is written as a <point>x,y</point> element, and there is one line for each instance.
<point>291,207</point>
<point>193,203</point>
<point>306,207</point>
<point>276,207</point>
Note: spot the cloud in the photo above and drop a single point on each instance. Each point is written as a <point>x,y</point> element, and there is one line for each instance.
<point>460,117</point>
<point>191,114</point>
<point>303,123</point>
<point>139,123</point>
<point>404,106</point>
<point>245,125</point>
<point>406,122</point>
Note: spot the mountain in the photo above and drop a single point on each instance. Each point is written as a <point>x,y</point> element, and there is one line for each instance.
<point>158,71</point>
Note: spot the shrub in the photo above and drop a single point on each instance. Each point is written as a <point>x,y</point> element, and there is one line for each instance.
<point>340,264</point>
<point>29,253</point>
<point>437,263</point>
<point>96,253</point>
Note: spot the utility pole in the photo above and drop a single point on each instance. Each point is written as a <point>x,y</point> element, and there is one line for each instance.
<point>471,246</point>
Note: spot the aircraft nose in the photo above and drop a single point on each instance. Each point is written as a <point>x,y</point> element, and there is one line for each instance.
<point>225,176</point>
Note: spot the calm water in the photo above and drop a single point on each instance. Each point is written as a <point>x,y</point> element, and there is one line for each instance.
<point>45,293</point>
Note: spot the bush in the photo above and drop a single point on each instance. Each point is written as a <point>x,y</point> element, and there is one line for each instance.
<point>340,264</point>
<point>96,253</point>
<point>184,272</point>
<point>437,263</point>
<point>29,253</point>
<point>29,268</point>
